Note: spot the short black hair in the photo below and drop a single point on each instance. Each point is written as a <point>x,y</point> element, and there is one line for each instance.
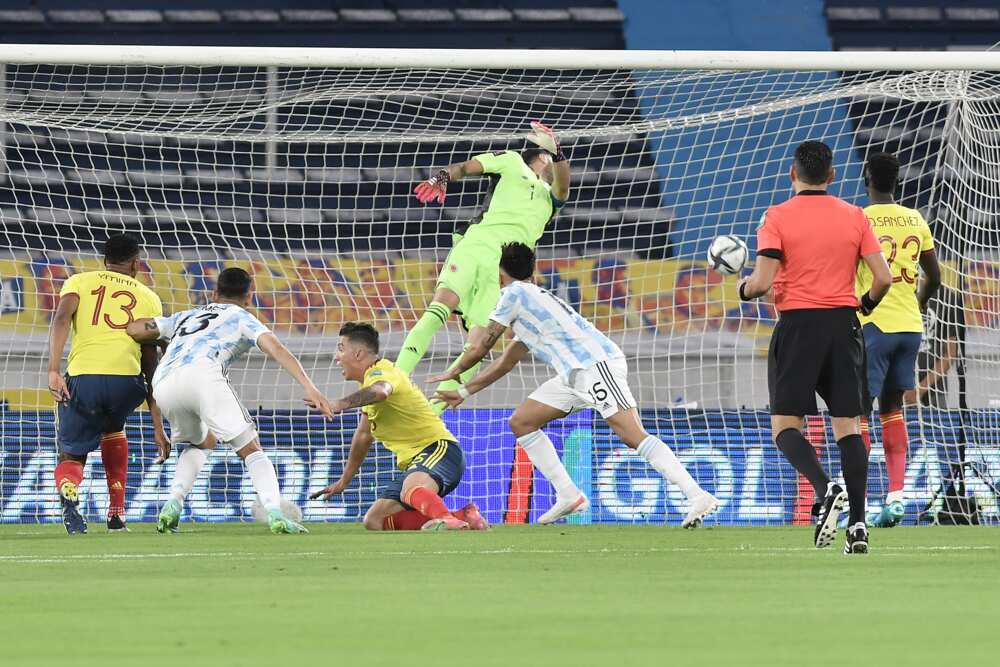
<point>813,160</point>
<point>361,332</point>
<point>529,155</point>
<point>518,261</point>
<point>233,283</point>
<point>882,171</point>
<point>121,248</point>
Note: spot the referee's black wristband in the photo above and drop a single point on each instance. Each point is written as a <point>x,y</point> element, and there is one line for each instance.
<point>743,295</point>
<point>868,304</point>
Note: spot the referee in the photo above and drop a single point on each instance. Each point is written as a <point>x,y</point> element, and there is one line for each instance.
<point>808,250</point>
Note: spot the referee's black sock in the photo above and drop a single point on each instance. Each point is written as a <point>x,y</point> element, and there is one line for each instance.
<point>802,456</point>
<point>854,465</point>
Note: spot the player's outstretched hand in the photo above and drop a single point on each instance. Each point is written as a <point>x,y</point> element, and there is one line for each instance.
<point>451,398</point>
<point>334,489</point>
<point>162,445</point>
<point>434,188</point>
<point>543,137</point>
<point>57,387</point>
<point>317,401</point>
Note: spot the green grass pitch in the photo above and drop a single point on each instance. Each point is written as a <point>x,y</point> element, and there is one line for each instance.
<point>227,595</point>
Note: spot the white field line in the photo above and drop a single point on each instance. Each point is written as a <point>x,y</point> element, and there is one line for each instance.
<point>251,555</point>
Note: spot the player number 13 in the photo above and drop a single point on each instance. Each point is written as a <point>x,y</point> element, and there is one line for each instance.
<point>125,307</point>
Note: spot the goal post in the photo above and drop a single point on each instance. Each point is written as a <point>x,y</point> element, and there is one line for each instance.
<point>298,164</point>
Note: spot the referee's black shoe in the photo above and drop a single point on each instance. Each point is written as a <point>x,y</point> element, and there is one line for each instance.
<point>857,539</point>
<point>826,524</point>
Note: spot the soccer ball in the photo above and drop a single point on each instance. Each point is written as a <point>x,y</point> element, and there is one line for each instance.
<point>728,254</point>
<point>288,508</point>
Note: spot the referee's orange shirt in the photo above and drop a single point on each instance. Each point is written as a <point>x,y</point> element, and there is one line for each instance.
<point>821,238</point>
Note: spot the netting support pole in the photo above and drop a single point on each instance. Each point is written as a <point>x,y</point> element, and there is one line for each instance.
<point>3,126</point>
<point>271,158</point>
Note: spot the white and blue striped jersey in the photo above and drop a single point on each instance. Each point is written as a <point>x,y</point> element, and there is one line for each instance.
<point>211,336</point>
<point>551,329</point>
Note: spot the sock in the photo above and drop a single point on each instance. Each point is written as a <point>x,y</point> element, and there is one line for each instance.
<point>404,520</point>
<point>866,435</point>
<point>543,456</point>
<point>802,456</point>
<point>69,471</point>
<point>189,464</point>
<point>427,503</point>
<point>895,442</point>
<point>419,337</point>
<point>854,465</point>
<point>114,454</point>
<point>265,480</point>
<point>451,385</point>
<point>665,462</point>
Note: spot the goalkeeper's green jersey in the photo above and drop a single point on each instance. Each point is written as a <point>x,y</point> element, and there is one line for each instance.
<point>518,207</point>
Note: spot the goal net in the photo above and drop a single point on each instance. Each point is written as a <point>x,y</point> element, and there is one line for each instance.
<point>302,172</point>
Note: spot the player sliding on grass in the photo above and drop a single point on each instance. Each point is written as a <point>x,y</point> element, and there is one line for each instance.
<point>592,373</point>
<point>192,387</point>
<point>892,333</point>
<point>426,452</point>
<point>104,380</point>
<point>528,188</point>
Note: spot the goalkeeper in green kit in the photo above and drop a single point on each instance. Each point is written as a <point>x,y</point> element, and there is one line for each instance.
<point>528,188</point>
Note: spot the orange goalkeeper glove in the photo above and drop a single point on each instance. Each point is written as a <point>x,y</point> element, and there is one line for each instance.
<point>433,188</point>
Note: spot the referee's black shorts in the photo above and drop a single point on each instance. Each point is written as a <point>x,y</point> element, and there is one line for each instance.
<point>817,350</point>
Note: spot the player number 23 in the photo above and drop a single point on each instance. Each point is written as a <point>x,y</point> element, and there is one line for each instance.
<point>914,241</point>
<point>126,307</point>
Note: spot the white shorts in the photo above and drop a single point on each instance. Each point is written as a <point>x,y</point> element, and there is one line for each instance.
<point>602,387</point>
<point>195,401</point>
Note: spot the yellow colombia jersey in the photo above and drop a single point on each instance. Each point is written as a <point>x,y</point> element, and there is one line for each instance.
<point>405,422</point>
<point>108,302</point>
<point>904,234</point>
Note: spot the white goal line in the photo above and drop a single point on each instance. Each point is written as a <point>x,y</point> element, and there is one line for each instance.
<point>859,61</point>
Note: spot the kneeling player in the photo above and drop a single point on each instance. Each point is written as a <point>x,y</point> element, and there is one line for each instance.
<point>192,387</point>
<point>592,374</point>
<point>428,454</point>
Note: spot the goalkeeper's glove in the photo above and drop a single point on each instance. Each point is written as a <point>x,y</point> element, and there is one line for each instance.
<point>433,188</point>
<point>543,137</point>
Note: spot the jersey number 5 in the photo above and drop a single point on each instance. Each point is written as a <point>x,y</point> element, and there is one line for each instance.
<point>126,307</point>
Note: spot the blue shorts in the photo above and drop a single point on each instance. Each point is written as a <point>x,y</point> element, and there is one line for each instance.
<point>97,404</point>
<point>892,359</point>
<point>443,460</point>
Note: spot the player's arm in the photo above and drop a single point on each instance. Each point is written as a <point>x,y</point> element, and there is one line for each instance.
<point>436,187</point>
<point>144,330</point>
<point>361,443</point>
<point>272,347</point>
<point>62,320</point>
<point>505,364</point>
<point>481,341</point>
<point>148,360</point>
<point>932,277</point>
<point>373,393</point>
<point>544,136</point>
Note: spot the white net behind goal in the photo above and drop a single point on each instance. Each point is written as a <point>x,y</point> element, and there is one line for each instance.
<point>304,177</point>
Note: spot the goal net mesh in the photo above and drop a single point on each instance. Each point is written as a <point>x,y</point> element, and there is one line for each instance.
<point>304,177</point>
